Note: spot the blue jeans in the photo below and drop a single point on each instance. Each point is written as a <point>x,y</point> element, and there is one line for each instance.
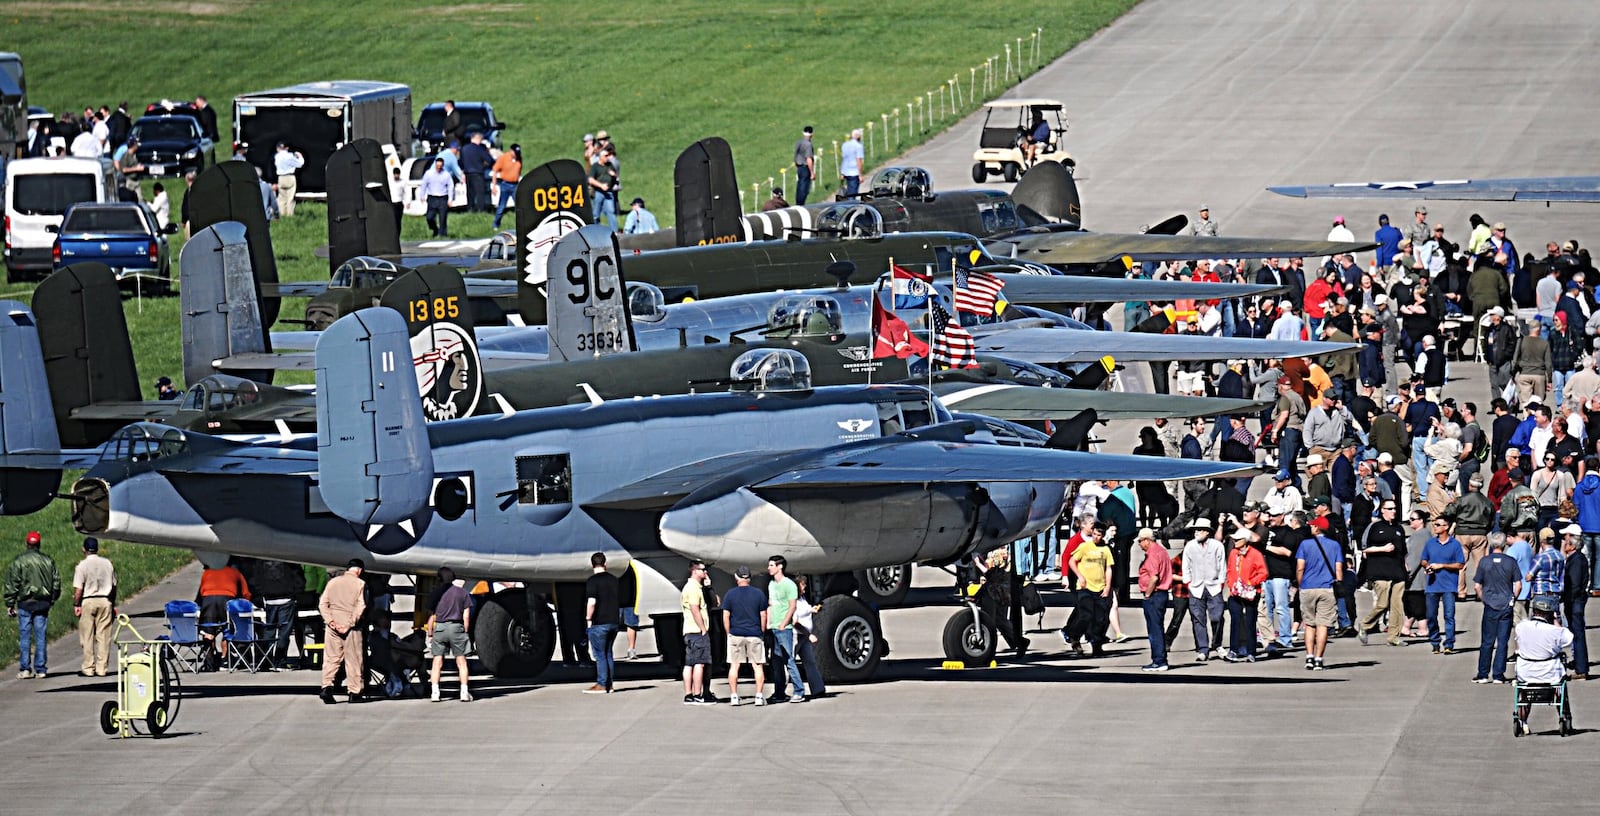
<point>1420,462</point>
<point>1288,451</point>
<point>1591,547</point>
<point>1351,582</point>
<point>280,625</point>
<point>601,637</point>
<point>783,659</point>
<point>1276,594</point>
<point>802,184</point>
<point>31,630</point>
<point>1448,601</point>
<point>1494,640</point>
<point>1203,613</point>
<point>1155,611</point>
<point>808,656</point>
<point>1242,626</point>
<point>1574,614</point>
<point>508,192</point>
<point>605,210</point>
<point>1558,380</point>
<point>1022,556</point>
<point>1314,326</point>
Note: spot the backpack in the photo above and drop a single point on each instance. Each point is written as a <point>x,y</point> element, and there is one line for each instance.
<point>1480,447</point>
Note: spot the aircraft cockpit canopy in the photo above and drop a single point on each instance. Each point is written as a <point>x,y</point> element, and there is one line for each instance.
<point>646,302</point>
<point>500,248</point>
<point>771,370</point>
<point>144,442</point>
<point>902,182</point>
<point>805,316</point>
<point>849,220</point>
<point>364,271</point>
<point>220,393</point>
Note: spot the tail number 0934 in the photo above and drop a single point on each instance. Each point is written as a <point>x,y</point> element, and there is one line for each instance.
<point>427,310</point>
<point>559,197</point>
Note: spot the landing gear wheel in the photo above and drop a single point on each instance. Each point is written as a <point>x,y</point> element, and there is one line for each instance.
<point>849,640</point>
<point>980,172</point>
<point>969,639</point>
<point>510,641</point>
<point>884,586</point>
<point>1012,171</point>
<point>156,718</point>
<point>108,717</point>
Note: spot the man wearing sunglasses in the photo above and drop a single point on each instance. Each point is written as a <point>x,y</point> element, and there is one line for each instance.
<point>1384,548</point>
<point>1442,561</point>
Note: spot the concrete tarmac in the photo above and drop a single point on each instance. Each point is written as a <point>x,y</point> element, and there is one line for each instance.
<point>1175,105</point>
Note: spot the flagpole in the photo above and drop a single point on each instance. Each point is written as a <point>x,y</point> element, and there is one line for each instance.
<point>873,327</point>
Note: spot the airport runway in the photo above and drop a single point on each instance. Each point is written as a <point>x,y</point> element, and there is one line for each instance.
<point>1175,105</point>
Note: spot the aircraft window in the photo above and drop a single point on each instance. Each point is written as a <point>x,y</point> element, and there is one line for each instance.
<point>851,221</point>
<point>364,271</point>
<point>196,399</point>
<point>990,222</point>
<point>889,419</point>
<point>173,442</point>
<point>1007,213</point>
<point>916,412</point>
<point>544,479</point>
<point>646,302</point>
<point>804,315</point>
<point>134,443</point>
<point>771,370</point>
<point>341,278</point>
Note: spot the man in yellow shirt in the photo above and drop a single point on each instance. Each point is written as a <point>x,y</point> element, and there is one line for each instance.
<point>696,636</point>
<point>1091,612</point>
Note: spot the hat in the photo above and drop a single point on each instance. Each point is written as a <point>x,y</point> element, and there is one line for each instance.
<point>602,135</point>
<point>91,544</point>
<point>638,201</point>
<point>1544,604</point>
<point>1343,301</point>
<point>1368,310</point>
<point>1319,501</point>
<point>1239,534</point>
<point>1547,533</point>
<point>1385,458</point>
<point>1349,442</point>
<point>1569,246</point>
<point>1283,476</point>
<point>588,137</point>
<point>1284,380</point>
<point>1314,459</point>
<point>1144,533</point>
<point>1422,210</point>
<point>1572,529</point>
<point>1499,225</point>
<point>1338,219</point>
<point>742,572</point>
<point>1420,389</point>
<point>355,563</point>
<point>1442,467</point>
<point>1448,402</point>
<point>1438,227</point>
<point>1380,299</point>
<point>1202,523</point>
<point>1204,208</point>
<point>1383,219</point>
<point>34,537</point>
<point>1394,399</point>
<point>1255,507</point>
<point>1532,401</point>
<point>808,129</point>
<point>163,381</point>
<point>1497,311</point>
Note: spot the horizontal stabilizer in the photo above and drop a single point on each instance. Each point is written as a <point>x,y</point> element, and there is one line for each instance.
<point>374,458</point>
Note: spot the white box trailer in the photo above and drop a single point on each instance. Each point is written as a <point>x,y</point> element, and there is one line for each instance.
<point>317,118</point>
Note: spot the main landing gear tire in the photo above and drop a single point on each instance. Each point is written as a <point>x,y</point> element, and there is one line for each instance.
<point>849,640</point>
<point>884,586</point>
<point>980,172</point>
<point>969,638</point>
<point>510,641</point>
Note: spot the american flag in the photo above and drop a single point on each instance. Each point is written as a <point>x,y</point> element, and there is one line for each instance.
<point>976,292</point>
<point>952,345</point>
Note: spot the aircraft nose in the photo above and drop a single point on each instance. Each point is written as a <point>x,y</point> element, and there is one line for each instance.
<point>91,506</point>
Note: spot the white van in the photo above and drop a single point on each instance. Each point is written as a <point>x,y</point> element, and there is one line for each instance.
<point>38,193</point>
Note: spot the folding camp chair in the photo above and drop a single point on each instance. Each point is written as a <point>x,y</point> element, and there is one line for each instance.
<point>183,639</point>
<point>247,649</point>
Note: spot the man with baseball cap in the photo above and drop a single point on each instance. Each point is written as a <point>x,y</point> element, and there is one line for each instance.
<point>32,585</point>
<point>1540,642</point>
<point>1205,571</point>
<point>744,618</point>
<point>94,602</point>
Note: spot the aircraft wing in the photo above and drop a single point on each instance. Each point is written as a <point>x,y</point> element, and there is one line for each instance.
<point>244,459</point>
<point>1027,402</point>
<point>1534,188</point>
<point>298,289</point>
<point>1057,345</point>
<point>50,460</point>
<point>1022,288</point>
<point>1059,248</point>
<point>129,411</point>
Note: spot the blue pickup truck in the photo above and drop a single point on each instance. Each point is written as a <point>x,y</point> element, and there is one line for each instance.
<point>124,236</point>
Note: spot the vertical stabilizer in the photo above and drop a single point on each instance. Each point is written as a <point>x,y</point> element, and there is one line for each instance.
<point>444,351</point>
<point>221,317</point>
<point>552,200</point>
<point>231,191</point>
<point>374,462</point>
<point>362,220</point>
<point>83,337</point>
<point>706,195</point>
<point>26,422</point>
<point>588,307</point>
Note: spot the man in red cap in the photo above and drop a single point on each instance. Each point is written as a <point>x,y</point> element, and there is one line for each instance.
<point>32,585</point>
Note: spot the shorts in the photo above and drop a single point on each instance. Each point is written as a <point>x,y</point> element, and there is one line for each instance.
<point>696,650</point>
<point>746,650</point>
<point>214,610</point>
<point>630,618</point>
<point>1319,608</point>
<point>449,640</point>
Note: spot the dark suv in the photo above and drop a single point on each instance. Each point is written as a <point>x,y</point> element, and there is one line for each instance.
<point>170,144</point>
<point>477,116</point>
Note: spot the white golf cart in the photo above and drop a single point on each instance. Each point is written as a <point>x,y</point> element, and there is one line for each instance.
<point>1007,138</point>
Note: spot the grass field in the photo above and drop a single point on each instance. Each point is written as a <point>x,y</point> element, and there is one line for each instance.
<point>658,76</point>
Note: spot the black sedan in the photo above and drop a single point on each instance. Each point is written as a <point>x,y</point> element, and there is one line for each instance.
<point>171,144</point>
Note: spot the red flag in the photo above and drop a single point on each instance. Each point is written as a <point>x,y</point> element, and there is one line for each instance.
<point>891,336</point>
<point>976,292</point>
<point>907,274</point>
<point>952,345</point>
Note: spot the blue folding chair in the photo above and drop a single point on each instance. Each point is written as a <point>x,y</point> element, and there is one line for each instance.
<point>247,650</point>
<point>183,639</point>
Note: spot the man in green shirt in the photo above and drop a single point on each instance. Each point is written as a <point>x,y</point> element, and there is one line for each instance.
<point>781,595</point>
<point>32,585</point>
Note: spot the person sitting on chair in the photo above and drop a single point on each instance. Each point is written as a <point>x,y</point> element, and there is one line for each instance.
<point>1540,646</point>
<point>218,586</point>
